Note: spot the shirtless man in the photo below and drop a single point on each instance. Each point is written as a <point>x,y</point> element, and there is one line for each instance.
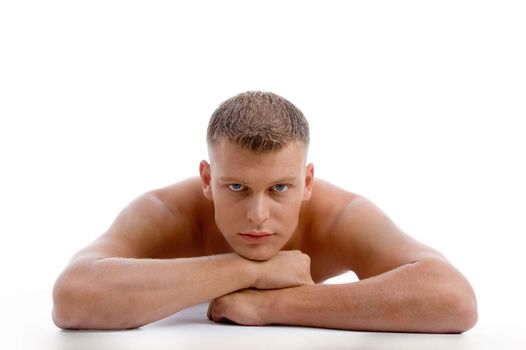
<point>255,234</point>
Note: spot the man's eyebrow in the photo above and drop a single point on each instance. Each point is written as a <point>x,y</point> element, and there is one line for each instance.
<point>236,180</point>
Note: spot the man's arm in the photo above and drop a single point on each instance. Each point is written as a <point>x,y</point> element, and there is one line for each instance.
<point>112,284</point>
<point>404,287</point>
<point>122,293</point>
<point>418,297</point>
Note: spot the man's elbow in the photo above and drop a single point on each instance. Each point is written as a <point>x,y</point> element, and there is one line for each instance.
<point>78,306</point>
<point>456,310</point>
<point>73,315</point>
<point>456,302</point>
<point>465,313</point>
<point>64,315</point>
<point>61,319</point>
<point>69,305</point>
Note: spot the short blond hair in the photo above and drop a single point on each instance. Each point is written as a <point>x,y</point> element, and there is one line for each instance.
<point>258,121</point>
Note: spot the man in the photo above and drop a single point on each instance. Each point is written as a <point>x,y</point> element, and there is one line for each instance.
<point>256,234</point>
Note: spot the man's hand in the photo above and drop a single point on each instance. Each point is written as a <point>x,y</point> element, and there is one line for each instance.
<point>286,269</point>
<point>250,306</point>
<point>245,307</point>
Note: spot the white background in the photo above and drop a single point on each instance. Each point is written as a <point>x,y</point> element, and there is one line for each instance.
<point>417,105</point>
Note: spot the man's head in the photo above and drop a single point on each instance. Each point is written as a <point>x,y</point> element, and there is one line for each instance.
<point>257,176</point>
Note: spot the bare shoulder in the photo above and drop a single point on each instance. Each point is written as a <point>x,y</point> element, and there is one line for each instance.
<point>326,202</point>
<point>358,235</point>
<point>317,220</point>
<point>184,197</point>
<point>158,224</point>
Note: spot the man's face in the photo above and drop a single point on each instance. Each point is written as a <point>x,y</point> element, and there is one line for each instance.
<point>257,198</point>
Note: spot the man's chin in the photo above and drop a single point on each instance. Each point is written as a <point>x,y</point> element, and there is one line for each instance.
<point>257,255</point>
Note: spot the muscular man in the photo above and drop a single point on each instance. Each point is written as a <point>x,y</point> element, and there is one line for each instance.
<point>256,234</point>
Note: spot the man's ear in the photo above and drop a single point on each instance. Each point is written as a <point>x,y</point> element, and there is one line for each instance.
<point>204,172</point>
<point>309,182</point>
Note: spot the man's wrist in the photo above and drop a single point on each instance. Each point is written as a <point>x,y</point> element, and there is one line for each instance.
<point>250,270</point>
<point>280,305</point>
<point>268,305</point>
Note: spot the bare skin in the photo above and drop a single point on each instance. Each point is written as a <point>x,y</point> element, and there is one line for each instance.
<point>256,235</point>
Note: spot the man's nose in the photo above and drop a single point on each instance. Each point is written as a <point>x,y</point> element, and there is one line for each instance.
<point>258,210</point>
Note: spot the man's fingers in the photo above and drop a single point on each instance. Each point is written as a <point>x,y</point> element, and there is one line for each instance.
<point>210,309</point>
<point>214,312</point>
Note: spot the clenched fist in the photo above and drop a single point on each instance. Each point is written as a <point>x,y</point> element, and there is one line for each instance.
<point>286,269</point>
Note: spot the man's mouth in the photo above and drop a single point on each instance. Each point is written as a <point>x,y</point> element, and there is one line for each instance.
<point>256,236</point>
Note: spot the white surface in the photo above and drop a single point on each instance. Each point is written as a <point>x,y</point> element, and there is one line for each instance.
<point>419,106</point>
<point>27,325</point>
<point>190,329</point>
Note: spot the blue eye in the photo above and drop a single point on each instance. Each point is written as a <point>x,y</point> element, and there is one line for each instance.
<point>280,188</point>
<point>235,187</point>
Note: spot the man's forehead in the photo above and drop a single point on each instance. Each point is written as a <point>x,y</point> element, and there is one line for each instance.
<point>232,164</point>
<point>270,180</point>
<point>263,171</point>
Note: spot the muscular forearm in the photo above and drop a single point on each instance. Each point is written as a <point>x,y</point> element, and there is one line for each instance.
<point>117,293</point>
<point>426,296</point>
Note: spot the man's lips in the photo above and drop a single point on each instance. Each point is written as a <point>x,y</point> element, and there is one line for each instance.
<point>256,236</point>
